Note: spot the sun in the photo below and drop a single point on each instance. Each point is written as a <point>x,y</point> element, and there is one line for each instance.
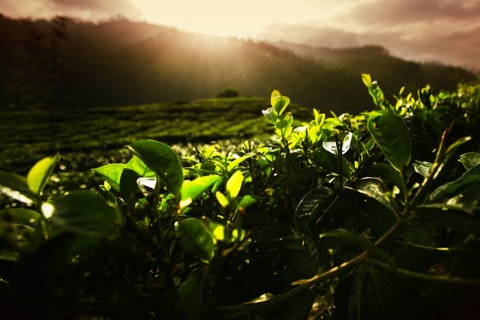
<point>222,17</point>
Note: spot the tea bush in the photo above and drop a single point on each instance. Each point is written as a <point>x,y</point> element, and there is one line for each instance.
<point>370,216</point>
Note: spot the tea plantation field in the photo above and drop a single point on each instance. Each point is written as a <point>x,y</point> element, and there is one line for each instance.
<point>90,137</point>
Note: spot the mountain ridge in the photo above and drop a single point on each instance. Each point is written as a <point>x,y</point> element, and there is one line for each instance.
<point>121,62</point>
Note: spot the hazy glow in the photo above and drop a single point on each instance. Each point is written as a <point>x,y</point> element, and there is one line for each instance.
<point>226,18</point>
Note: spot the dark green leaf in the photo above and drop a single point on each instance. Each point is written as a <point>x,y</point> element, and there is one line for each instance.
<point>195,238</point>
<point>470,159</point>
<point>391,134</point>
<point>439,215</point>
<point>128,183</point>
<point>312,205</point>
<point>452,188</point>
<point>374,188</point>
<point>111,173</point>
<point>387,174</point>
<point>86,213</point>
<point>373,296</point>
<point>187,301</point>
<point>16,187</point>
<point>361,242</point>
<point>40,173</point>
<point>163,161</point>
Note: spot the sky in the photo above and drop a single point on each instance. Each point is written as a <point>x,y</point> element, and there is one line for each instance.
<point>447,31</point>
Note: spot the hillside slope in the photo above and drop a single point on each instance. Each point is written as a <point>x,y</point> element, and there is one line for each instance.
<point>123,63</point>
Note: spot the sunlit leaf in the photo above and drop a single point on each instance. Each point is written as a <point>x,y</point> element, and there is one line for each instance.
<point>137,165</point>
<point>234,184</point>
<point>270,115</point>
<point>331,146</point>
<point>195,238</point>
<point>39,174</point>
<point>232,165</point>
<point>391,134</point>
<point>192,189</point>
<point>222,199</point>
<point>278,102</point>
<point>111,173</point>
<point>163,161</point>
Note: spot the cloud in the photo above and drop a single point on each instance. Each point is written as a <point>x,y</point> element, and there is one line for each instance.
<point>84,9</point>
<point>394,12</point>
<point>421,30</point>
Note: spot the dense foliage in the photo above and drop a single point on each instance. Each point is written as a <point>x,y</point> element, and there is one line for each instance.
<point>370,216</point>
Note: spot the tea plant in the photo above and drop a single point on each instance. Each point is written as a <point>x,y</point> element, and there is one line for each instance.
<point>370,216</point>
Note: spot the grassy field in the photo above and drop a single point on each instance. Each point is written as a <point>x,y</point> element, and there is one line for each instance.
<point>88,138</point>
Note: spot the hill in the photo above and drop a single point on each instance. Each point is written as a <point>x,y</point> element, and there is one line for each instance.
<point>69,63</point>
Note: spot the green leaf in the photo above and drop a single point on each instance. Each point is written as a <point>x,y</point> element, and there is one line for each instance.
<point>222,199</point>
<point>439,215</point>
<point>192,189</point>
<point>236,162</point>
<point>387,174</point>
<point>246,202</point>
<point>470,159</point>
<point>111,173</point>
<point>374,188</point>
<point>391,134</point>
<point>422,168</point>
<point>128,183</point>
<point>21,230</point>
<point>84,212</point>
<point>331,146</point>
<point>366,79</point>
<point>195,238</point>
<point>40,173</point>
<point>454,187</point>
<point>270,115</point>
<point>361,242</point>
<point>234,184</point>
<point>187,302</point>
<point>16,187</point>
<point>278,102</point>
<point>136,164</point>
<point>311,206</point>
<point>163,161</point>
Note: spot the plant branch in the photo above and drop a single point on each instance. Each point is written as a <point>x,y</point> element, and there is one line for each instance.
<point>235,311</point>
